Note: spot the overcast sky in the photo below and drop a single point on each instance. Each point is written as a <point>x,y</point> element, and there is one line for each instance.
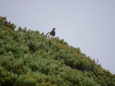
<point>87,24</point>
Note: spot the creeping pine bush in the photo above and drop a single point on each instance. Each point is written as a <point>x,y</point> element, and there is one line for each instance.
<point>28,58</point>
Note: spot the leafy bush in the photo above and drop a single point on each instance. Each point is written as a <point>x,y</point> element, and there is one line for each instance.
<point>28,58</point>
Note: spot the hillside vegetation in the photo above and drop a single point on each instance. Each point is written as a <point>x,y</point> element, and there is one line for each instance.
<point>28,58</point>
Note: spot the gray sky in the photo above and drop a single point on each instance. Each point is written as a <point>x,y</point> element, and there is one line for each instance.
<point>87,24</point>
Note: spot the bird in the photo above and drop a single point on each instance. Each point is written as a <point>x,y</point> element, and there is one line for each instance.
<point>51,35</point>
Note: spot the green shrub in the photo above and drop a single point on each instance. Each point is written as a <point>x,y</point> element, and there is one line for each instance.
<point>28,58</point>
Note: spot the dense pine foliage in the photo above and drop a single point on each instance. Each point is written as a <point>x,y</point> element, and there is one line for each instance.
<point>28,58</point>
